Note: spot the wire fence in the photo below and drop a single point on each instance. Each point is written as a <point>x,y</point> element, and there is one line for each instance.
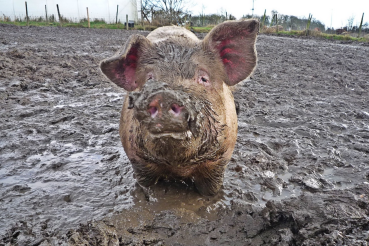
<point>72,11</point>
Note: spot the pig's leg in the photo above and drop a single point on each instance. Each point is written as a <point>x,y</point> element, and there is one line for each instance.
<point>146,175</point>
<point>209,179</point>
<point>237,105</point>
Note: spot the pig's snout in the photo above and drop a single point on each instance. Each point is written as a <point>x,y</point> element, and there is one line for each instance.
<point>164,111</point>
<point>163,104</point>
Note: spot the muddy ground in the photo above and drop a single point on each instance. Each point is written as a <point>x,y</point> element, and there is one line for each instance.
<point>299,174</point>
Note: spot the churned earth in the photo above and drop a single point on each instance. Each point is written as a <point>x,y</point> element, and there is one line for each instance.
<point>299,174</point>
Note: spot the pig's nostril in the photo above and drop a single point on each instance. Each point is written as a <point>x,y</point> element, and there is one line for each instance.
<point>153,111</point>
<point>175,109</point>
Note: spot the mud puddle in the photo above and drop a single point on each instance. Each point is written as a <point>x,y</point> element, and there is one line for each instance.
<point>299,174</point>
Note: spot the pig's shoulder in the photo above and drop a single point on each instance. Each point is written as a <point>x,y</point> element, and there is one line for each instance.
<point>172,32</point>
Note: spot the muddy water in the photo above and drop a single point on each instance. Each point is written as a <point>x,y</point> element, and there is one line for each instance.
<point>299,173</point>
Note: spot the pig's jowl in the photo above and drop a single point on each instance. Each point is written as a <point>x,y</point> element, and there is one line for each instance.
<point>179,120</point>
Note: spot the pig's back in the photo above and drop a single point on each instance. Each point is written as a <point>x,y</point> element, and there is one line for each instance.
<point>172,32</point>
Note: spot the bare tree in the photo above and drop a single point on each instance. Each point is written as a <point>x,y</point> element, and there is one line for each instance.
<point>147,9</point>
<point>171,11</point>
<point>350,23</point>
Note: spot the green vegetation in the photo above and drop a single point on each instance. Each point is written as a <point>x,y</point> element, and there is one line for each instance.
<point>263,22</point>
<point>201,28</point>
<point>66,23</point>
<point>346,37</point>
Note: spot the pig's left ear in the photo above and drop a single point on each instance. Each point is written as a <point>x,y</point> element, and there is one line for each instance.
<point>121,68</point>
<point>234,41</point>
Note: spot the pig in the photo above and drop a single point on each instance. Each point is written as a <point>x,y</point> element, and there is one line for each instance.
<point>178,120</point>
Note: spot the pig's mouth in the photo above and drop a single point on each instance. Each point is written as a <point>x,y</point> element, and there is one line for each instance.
<point>184,129</point>
<point>176,135</point>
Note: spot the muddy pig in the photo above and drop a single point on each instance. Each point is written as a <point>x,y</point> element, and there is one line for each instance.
<point>179,120</point>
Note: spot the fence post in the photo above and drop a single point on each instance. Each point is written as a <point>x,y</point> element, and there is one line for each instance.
<point>88,18</point>
<point>46,13</point>
<point>127,22</point>
<point>116,18</point>
<point>142,16</point>
<point>27,14</point>
<point>361,24</point>
<point>308,24</point>
<point>152,15</point>
<point>60,20</point>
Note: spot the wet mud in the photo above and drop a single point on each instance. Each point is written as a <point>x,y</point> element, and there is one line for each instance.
<point>299,174</point>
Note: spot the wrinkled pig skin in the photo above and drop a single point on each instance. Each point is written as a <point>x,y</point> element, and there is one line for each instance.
<point>179,120</point>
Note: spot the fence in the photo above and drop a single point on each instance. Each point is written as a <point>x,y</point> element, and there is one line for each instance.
<point>110,11</point>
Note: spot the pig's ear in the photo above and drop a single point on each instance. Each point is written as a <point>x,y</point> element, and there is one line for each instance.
<point>234,41</point>
<point>121,68</point>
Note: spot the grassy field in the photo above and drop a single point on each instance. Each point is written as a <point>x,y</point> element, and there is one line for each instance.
<point>103,24</point>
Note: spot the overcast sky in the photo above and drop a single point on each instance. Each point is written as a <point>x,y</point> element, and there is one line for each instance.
<point>327,11</point>
<point>323,10</point>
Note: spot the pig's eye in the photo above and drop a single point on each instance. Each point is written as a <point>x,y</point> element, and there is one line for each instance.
<point>149,76</point>
<point>203,78</point>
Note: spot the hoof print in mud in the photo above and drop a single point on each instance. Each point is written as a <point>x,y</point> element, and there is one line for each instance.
<point>179,119</point>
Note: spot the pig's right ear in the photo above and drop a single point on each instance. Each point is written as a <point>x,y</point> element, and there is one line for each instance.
<point>234,42</point>
<point>121,68</point>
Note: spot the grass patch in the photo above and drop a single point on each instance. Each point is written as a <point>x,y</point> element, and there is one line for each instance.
<point>346,37</point>
<point>31,23</point>
<point>82,24</point>
<point>201,29</point>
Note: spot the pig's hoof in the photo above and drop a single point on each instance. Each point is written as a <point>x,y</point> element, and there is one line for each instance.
<point>145,180</point>
<point>148,193</point>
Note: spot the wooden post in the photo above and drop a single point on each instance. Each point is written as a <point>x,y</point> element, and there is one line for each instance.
<point>46,12</point>
<point>142,16</point>
<point>308,24</point>
<point>27,15</point>
<point>152,14</point>
<point>88,18</point>
<point>60,20</point>
<point>361,24</point>
<point>116,18</point>
<point>127,22</point>
<point>276,20</point>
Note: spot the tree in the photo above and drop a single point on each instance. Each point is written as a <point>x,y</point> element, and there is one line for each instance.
<point>171,11</point>
<point>350,23</point>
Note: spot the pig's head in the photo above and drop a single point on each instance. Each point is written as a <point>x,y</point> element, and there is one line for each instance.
<point>181,109</point>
